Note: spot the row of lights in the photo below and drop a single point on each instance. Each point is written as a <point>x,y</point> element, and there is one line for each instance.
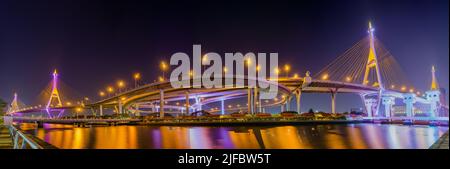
<point>349,79</point>
<point>165,67</point>
<point>120,85</point>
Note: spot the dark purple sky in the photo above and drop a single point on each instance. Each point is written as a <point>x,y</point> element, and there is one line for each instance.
<point>94,43</point>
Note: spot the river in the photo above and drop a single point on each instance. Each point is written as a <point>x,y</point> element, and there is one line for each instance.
<point>328,136</point>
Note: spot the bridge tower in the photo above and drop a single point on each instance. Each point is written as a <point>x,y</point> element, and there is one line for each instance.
<point>14,106</point>
<point>372,62</point>
<point>54,96</point>
<point>433,95</point>
<point>373,105</point>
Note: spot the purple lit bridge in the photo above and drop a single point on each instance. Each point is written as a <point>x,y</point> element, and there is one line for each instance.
<point>367,69</point>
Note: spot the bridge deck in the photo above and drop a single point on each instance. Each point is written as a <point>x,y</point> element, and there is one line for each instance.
<point>5,138</point>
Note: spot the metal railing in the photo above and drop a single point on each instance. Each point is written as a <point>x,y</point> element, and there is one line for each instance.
<point>21,140</point>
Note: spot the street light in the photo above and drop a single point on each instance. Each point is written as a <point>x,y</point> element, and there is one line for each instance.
<point>101,93</point>
<point>287,68</point>
<point>78,110</point>
<point>120,84</point>
<point>204,59</point>
<point>163,67</point>
<point>136,77</point>
<point>110,89</point>
<point>277,71</point>
<point>325,77</point>
<point>348,79</point>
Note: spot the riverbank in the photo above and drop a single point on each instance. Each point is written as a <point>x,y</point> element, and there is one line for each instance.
<point>441,143</point>
<point>5,138</point>
<point>246,123</point>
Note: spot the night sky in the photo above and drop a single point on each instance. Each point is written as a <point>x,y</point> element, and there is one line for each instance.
<point>94,43</point>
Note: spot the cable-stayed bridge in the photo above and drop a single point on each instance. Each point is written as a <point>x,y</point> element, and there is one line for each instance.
<point>366,69</point>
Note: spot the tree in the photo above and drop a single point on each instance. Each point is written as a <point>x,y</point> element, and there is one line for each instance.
<point>3,106</point>
<point>310,111</point>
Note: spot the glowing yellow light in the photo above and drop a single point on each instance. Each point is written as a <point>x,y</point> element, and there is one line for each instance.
<point>110,89</point>
<point>296,75</point>
<point>403,88</point>
<point>101,93</point>
<point>225,70</point>
<point>161,79</point>
<point>123,98</point>
<point>258,68</point>
<point>68,103</point>
<point>229,106</point>
<point>205,58</point>
<point>137,76</point>
<point>78,110</point>
<point>120,83</point>
<point>348,79</point>
<point>287,67</point>
<point>191,73</point>
<point>325,77</point>
<point>392,86</point>
<point>275,99</point>
<point>411,90</point>
<point>248,61</point>
<point>277,71</point>
<point>163,66</point>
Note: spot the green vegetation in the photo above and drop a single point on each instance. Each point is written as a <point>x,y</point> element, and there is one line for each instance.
<point>3,106</point>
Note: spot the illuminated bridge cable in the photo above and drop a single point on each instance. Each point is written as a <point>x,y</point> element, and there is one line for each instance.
<point>351,65</point>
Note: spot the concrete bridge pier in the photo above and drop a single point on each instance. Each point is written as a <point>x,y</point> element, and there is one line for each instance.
<point>370,104</point>
<point>222,106</point>
<point>333,101</point>
<point>101,110</point>
<point>288,103</point>
<point>256,100</point>
<point>298,94</point>
<point>250,101</point>
<point>187,102</point>
<point>388,101</point>
<point>409,99</point>
<point>433,97</point>
<point>161,104</point>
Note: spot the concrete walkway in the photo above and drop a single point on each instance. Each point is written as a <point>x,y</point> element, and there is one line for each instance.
<point>441,143</point>
<point>5,138</point>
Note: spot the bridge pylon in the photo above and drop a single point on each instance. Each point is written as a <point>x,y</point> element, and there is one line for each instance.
<point>54,97</point>
<point>14,106</point>
<point>372,63</point>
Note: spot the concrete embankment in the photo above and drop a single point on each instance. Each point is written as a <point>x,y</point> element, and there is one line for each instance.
<point>441,143</point>
<point>239,123</point>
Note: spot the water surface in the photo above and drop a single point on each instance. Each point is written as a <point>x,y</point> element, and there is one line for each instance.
<point>332,136</point>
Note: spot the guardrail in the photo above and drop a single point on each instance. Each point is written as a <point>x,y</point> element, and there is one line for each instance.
<point>21,140</point>
<point>408,118</point>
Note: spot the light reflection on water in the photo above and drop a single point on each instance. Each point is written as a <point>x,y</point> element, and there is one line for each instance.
<point>350,136</point>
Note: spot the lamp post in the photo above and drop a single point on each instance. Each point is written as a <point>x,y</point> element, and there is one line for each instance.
<point>110,90</point>
<point>287,68</point>
<point>120,85</point>
<point>163,67</point>
<point>136,77</point>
